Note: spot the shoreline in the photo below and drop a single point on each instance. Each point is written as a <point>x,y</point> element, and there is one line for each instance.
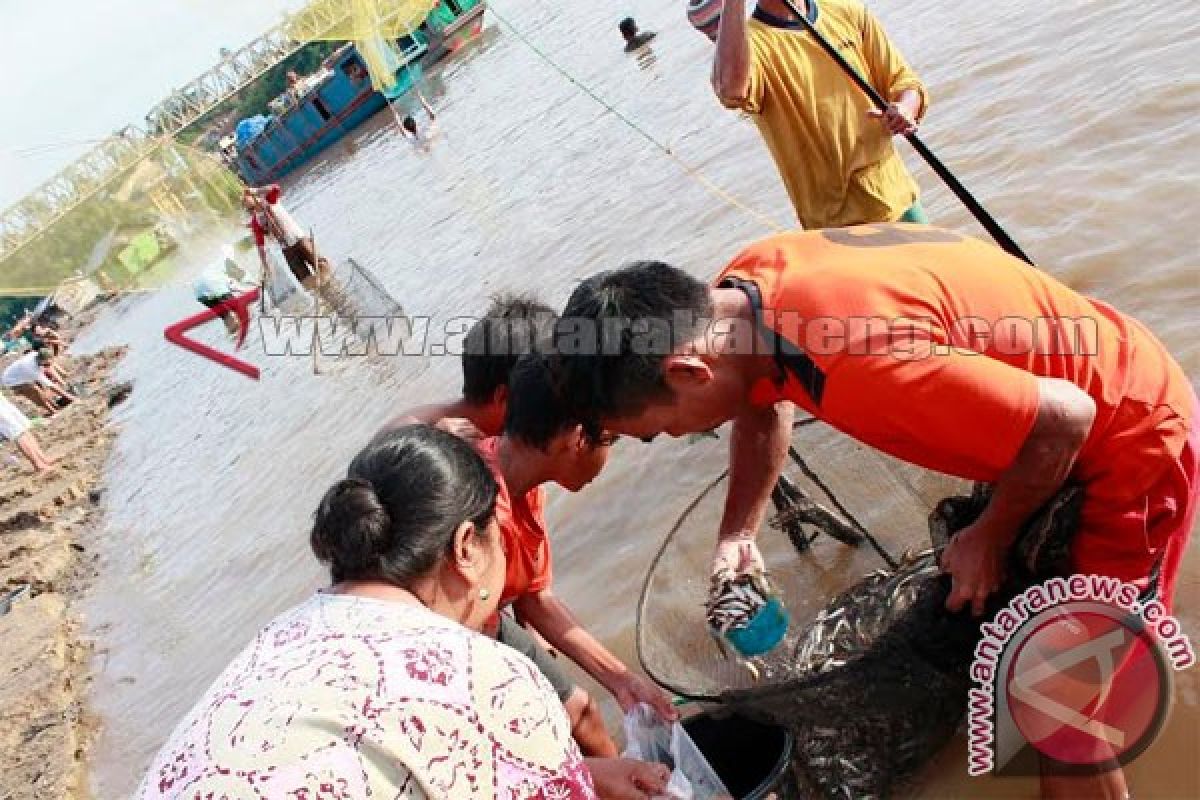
<point>47,524</point>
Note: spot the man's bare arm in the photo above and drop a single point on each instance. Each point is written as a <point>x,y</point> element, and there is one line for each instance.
<point>757,452</point>
<point>976,556</point>
<point>731,64</point>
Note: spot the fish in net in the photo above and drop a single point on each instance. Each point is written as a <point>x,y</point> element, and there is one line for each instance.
<point>873,682</point>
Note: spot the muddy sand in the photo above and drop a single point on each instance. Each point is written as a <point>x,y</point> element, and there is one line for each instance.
<point>45,521</point>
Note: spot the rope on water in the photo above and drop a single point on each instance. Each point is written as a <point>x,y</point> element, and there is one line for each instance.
<point>692,172</point>
<point>820,484</point>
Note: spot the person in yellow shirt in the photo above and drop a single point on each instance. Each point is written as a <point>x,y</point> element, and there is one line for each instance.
<point>832,148</point>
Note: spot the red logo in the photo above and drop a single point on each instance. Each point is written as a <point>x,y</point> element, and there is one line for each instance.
<point>240,306</point>
<point>1088,686</point>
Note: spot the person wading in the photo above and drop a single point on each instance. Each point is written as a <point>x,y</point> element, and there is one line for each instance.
<point>833,150</point>
<point>269,218</point>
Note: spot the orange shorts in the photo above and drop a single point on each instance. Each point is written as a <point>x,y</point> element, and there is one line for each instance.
<point>1131,542</point>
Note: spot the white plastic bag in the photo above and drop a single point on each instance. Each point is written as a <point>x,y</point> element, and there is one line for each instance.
<point>650,738</point>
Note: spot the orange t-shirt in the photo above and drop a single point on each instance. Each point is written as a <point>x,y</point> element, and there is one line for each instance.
<point>522,522</point>
<point>927,345</point>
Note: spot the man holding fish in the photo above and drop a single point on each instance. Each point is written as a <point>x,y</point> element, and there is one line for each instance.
<point>924,344</point>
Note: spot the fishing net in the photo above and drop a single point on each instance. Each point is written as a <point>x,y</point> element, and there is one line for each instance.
<point>885,496</point>
<point>370,24</point>
<point>123,234</point>
<point>873,681</point>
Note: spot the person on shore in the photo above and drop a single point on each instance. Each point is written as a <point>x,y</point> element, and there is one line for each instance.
<point>270,218</point>
<point>389,659</point>
<point>46,335</point>
<point>832,148</point>
<point>507,330</point>
<point>542,445</point>
<point>33,377</point>
<point>15,427</point>
<point>910,339</point>
<point>634,39</point>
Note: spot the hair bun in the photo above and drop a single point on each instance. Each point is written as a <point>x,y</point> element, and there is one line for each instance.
<point>351,528</point>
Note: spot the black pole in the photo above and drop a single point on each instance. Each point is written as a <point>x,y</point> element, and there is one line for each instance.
<point>999,234</point>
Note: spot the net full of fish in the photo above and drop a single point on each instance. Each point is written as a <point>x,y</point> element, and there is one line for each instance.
<point>878,682</point>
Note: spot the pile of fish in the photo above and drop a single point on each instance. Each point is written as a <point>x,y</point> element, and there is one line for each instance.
<point>878,682</point>
<point>733,600</point>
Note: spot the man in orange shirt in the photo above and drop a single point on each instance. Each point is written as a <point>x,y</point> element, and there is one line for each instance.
<point>540,445</point>
<point>938,349</point>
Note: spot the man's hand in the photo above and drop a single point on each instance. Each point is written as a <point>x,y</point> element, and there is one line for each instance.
<point>897,118</point>
<point>736,554</point>
<point>627,778</point>
<point>631,689</point>
<point>975,559</point>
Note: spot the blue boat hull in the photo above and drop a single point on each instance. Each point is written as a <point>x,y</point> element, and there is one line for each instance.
<point>342,102</point>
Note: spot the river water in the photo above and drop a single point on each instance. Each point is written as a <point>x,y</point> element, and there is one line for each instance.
<point>1075,122</point>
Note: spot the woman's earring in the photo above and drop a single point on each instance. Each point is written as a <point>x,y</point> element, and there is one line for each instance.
<point>484,594</point>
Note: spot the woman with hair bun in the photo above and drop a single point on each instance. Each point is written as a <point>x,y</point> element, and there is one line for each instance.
<point>380,686</point>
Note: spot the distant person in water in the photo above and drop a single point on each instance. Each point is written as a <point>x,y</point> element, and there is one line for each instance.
<point>14,426</point>
<point>408,124</point>
<point>490,350</point>
<point>634,39</point>
<point>270,219</point>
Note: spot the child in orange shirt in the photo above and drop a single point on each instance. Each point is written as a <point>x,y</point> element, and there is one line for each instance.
<point>541,445</point>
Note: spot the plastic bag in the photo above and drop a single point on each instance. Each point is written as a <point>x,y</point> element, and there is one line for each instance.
<point>650,738</point>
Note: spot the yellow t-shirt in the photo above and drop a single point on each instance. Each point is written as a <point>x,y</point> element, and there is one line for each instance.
<point>838,164</point>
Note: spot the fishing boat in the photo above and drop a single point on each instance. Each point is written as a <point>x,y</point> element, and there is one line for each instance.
<point>325,106</point>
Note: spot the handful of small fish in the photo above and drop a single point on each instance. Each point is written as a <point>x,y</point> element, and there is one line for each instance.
<point>733,600</point>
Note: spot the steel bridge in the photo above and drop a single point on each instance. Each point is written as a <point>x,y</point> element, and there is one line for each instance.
<point>27,219</point>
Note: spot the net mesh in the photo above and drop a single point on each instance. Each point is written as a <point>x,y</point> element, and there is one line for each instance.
<point>370,24</point>
<point>890,499</point>
<point>873,681</point>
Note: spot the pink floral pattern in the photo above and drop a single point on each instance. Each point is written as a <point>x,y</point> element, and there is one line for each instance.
<point>344,698</point>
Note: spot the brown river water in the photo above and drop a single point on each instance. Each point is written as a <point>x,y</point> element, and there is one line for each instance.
<point>1075,122</point>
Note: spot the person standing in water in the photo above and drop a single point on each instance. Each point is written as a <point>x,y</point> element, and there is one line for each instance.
<point>634,39</point>
<point>270,219</point>
<point>832,148</point>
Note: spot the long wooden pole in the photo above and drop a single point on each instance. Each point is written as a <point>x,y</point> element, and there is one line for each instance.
<point>989,223</point>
